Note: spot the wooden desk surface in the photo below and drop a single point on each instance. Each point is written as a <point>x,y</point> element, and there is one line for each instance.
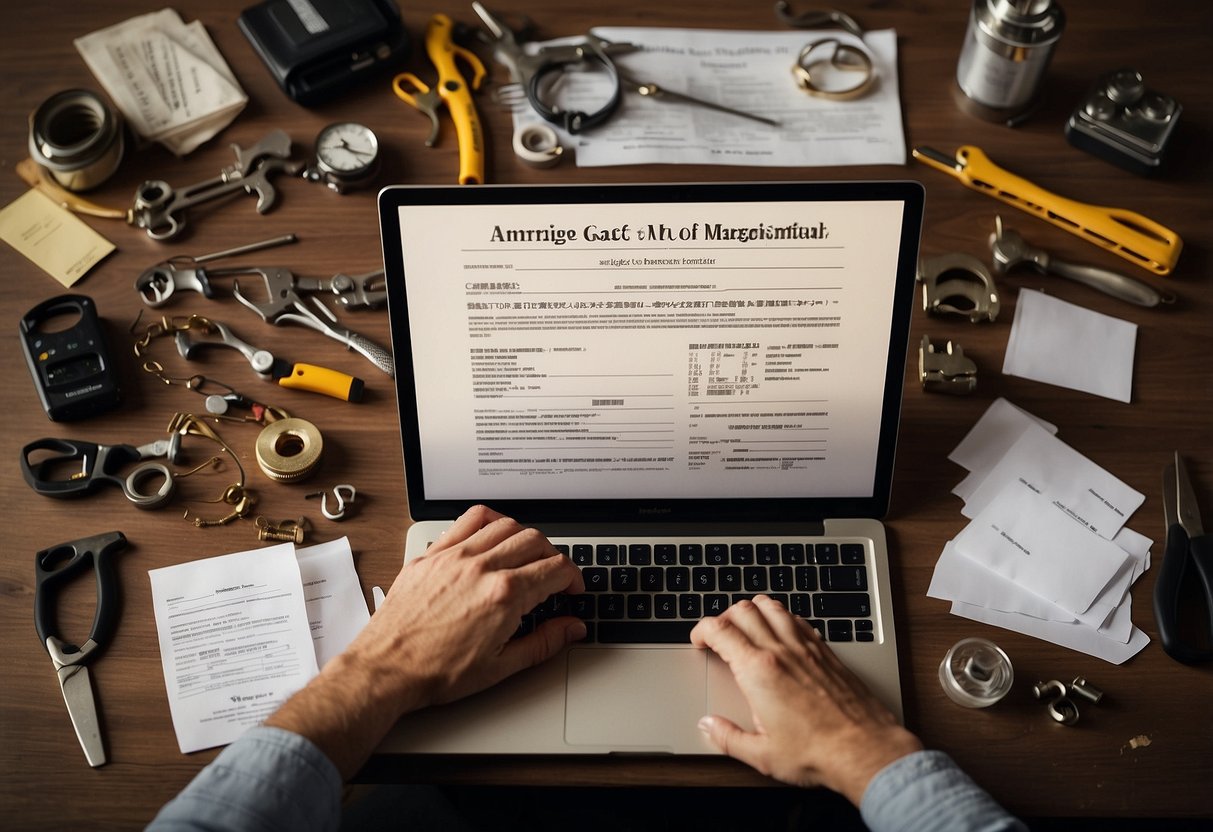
<point>1035,767</point>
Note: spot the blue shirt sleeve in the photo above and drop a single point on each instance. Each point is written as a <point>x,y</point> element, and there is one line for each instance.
<point>266,781</point>
<point>927,792</point>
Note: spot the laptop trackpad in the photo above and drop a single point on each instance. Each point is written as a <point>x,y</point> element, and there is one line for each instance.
<point>636,699</point>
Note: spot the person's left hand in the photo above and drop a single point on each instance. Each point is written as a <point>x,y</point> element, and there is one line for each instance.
<point>442,632</point>
<point>444,628</point>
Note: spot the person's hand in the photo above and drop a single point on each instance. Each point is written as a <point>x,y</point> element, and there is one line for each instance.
<point>448,618</point>
<point>442,632</point>
<point>815,722</point>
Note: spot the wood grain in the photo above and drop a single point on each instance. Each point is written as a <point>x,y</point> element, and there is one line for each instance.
<point>1033,766</point>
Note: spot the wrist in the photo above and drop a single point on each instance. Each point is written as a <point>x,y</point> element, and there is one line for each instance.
<point>873,759</point>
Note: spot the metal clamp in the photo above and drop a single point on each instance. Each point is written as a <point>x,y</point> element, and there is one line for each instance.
<point>946,372</point>
<point>958,284</point>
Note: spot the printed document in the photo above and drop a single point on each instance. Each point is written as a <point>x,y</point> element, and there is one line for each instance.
<point>707,350</point>
<point>747,71</point>
<point>234,641</point>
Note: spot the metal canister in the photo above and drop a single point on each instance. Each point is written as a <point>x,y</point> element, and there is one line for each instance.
<point>1006,51</point>
<point>76,136</point>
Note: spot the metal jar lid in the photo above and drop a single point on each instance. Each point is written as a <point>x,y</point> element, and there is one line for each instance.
<point>77,136</point>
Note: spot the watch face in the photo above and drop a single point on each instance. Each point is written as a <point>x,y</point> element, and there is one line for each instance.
<point>347,148</point>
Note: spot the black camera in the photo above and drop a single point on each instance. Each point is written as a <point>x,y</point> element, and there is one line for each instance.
<point>1124,123</point>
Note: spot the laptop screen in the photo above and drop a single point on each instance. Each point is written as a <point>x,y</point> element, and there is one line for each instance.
<point>723,351</point>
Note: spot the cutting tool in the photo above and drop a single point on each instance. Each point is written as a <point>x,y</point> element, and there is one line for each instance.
<point>1138,239</point>
<point>453,90</point>
<point>54,567</point>
<point>1189,550</point>
<point>98,465</point>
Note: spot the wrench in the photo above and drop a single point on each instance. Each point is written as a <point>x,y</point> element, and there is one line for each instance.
<point>160,209</point>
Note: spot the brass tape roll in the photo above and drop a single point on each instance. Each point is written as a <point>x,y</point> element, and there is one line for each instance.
<point>289,449</point>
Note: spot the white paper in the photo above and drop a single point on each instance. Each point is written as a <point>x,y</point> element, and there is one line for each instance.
<point>234,641</point>
<point>1075,636</point>
<point>336,607</point>
<point>748,71</point>
<point>1071,346</point>
<point>168,79</point>
<point>1026,538</point>
<point>998,429</point>
<point>1088,493</point>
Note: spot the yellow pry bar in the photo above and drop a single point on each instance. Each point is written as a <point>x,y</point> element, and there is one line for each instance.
<point>1138,239</point>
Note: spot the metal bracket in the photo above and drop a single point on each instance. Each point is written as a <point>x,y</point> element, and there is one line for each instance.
<point>945,372</point>
<point>958,284</point>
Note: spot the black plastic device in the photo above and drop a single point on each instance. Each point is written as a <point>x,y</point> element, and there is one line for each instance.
<point>71,367</point>
<point>1123,122</point>
<point>316,49</point>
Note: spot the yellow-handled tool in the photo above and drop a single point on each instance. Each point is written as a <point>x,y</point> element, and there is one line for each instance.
<point>1138,239</point>
<point>453,90</point>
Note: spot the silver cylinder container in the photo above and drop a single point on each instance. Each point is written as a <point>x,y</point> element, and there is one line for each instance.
<point>1006,51</point>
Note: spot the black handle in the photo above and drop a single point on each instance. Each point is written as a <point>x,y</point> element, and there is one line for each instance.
<point>1181,555</point>
<point>57,565</point>
<point>97,462</point>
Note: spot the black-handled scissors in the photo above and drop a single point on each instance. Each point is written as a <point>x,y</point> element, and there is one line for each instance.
<point>1189,550</point>
<point>98,464</point>
<point>54,567</point>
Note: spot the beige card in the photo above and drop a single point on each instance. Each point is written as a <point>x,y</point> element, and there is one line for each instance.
<point>54,238</point>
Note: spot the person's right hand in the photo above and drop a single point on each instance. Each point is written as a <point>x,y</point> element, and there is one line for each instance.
<point>815,722</point>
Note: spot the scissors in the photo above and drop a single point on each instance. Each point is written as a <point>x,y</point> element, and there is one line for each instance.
<point>530,69</point>
<point>98,464</point>
<point>451,89</point>
<point>55,566</point>
<point>1188,549</point>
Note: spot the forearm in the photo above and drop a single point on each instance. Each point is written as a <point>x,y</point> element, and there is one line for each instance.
<point>349,707</point>
<point>927,792</point>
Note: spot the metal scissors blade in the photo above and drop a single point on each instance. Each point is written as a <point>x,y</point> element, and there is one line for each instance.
<point>77,687</point>
<point>1187,512</point>
<point>651,90</point>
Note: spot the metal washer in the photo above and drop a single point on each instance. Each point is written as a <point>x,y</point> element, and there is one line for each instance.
<point>288,450</point>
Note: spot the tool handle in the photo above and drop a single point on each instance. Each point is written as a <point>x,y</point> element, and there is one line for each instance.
<point>1168,591</point>
<point>373,353</point>
<point>93,461</point>
<point>58,564</point>
<point>1136,238</point>
<point>1109,282</point>
<point>322,380</point>
<point>456,92</point>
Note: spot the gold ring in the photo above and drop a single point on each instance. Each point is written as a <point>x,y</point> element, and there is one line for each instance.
<point>843,57</point>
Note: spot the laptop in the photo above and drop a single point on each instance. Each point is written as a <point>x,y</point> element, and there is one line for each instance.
<point>693,390</point>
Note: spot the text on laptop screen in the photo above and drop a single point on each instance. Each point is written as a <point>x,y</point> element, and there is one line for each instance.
<point>650,350</point>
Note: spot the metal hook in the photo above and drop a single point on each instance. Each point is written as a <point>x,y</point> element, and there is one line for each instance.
<point>344,493</point>
<point>818,18</point>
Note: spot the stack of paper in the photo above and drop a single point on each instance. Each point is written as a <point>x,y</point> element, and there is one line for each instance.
<point>240,633</point>
<point>1047,552</point>
<point>167,78</point>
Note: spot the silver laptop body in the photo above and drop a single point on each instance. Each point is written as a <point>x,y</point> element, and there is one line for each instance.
<point>649,369</point>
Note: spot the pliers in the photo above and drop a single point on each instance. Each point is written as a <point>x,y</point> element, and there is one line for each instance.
<point>1188,550</point>
<point>451,89</point>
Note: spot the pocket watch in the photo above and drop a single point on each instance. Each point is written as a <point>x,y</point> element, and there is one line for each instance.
<point>347,156</point>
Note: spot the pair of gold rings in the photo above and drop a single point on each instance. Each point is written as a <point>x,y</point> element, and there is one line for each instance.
<point>842,57</point>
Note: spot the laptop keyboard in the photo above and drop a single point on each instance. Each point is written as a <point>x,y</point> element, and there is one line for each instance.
<point>653,593</point>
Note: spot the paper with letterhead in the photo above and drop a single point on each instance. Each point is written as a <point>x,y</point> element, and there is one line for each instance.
<point>1072,635</point>
<point>1025,537</point>
<point>234,641</point>
<point>55,239</point>
<point>1070,346</point>
<point>749,71</point>
<point>336,607</point>
<point>989,439</point>
<point>1088,493</point>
